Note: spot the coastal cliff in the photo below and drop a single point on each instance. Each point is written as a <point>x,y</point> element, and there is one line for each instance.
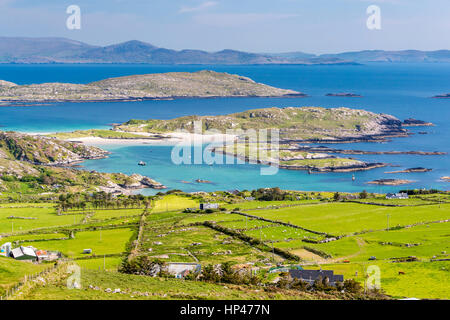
<point>43,164</point>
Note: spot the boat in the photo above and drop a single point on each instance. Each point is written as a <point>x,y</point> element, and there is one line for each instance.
<point>142,163</point>
<point>353,178</point>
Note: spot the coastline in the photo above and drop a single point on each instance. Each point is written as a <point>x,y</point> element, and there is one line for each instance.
<point>170,139</point>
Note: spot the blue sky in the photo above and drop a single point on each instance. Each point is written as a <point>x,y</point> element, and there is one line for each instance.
<point>316,26</point>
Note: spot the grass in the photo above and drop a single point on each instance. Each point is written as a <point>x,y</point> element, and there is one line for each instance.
<point>422,280</point>
<point>346,218</point>
<point>147,288</point>
<point>183,242</point>
<point>108,263</point>
<point>12,271</point>
<point>45,217</point>
<point>108,214</point>
<point>106,134</point>
<point>173,203</point>
<point>206,245</point>
<point>101,242</point>
<point>253,205</point>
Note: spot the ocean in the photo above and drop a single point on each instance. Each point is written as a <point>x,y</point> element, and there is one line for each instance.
<point>400,89</point>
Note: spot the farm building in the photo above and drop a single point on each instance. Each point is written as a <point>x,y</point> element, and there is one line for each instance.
<point>312,275</point>
<point>181,270</point>
<point>24,253</point>
<point>284,269</point>
<point>399,195</point>
<point>44,255</point>
<point>205,206</point>
<point>5,249</point>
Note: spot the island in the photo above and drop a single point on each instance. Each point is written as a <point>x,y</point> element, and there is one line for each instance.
<point>344,94</point>
<point>295,124</point>
<point>173,85</point>
<point>416,123</point>
<point>324,149</point>
<point>390,182</point>
<point>411,170</point>
<point>294,160</point>
<point>442,96</point>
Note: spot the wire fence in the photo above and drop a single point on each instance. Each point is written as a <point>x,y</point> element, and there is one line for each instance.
<point>18,285</point>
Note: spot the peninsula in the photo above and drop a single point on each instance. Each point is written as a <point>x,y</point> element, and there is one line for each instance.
<point>42,164</point>
<point>173,85</point>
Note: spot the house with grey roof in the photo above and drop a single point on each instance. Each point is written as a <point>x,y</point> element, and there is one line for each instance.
<point>24,253</point>
<point>205,206</point>
<point>311,276</point>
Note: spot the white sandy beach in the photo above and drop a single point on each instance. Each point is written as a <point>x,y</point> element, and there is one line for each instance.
<point>173,138</point>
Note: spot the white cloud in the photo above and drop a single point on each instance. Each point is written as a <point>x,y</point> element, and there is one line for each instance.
<point>203,6</point>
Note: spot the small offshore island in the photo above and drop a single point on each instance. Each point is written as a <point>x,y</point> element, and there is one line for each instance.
<point>173,85</point>
<point>344,94</point>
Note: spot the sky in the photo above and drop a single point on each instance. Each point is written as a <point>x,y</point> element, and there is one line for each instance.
<point>313,26</point>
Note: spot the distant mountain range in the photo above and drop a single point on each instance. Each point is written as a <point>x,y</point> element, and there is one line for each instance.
<point>62,50</point>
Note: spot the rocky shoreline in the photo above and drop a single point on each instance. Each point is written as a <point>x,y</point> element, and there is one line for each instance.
<point>411,170</point>
<point>323,149</point>
<point>363,166</point>
<point>390,182</point>
<point>353,168</point>
<point>160,86</point>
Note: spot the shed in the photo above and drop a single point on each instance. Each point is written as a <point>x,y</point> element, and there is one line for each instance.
<point>24,253</point>
<point>205,206</point>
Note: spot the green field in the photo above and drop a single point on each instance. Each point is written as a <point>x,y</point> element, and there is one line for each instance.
<point>172,203</point>
<point>346,218</point>
<point>172,235</point>
<point>136,287</point>
<point>101,242</point>
<point>12,271</point>
<point>44,217</point>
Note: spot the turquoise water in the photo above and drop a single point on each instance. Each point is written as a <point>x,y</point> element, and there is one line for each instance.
<point>403,90</point>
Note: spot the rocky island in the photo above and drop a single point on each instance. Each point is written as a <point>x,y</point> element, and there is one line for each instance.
<point>442,96</point>
<point>390,182</point>
<point>324,149</point>
<point>294,160</point>
<point>295,124</point>
<point>201,84</point>
<point>344,94</point>
<point>410,122</point>
<point>410,170</point>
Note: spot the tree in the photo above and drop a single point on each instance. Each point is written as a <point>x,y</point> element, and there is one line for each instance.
<point>337,196</point>
<point>352,286</point>
<point>363,194</point>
